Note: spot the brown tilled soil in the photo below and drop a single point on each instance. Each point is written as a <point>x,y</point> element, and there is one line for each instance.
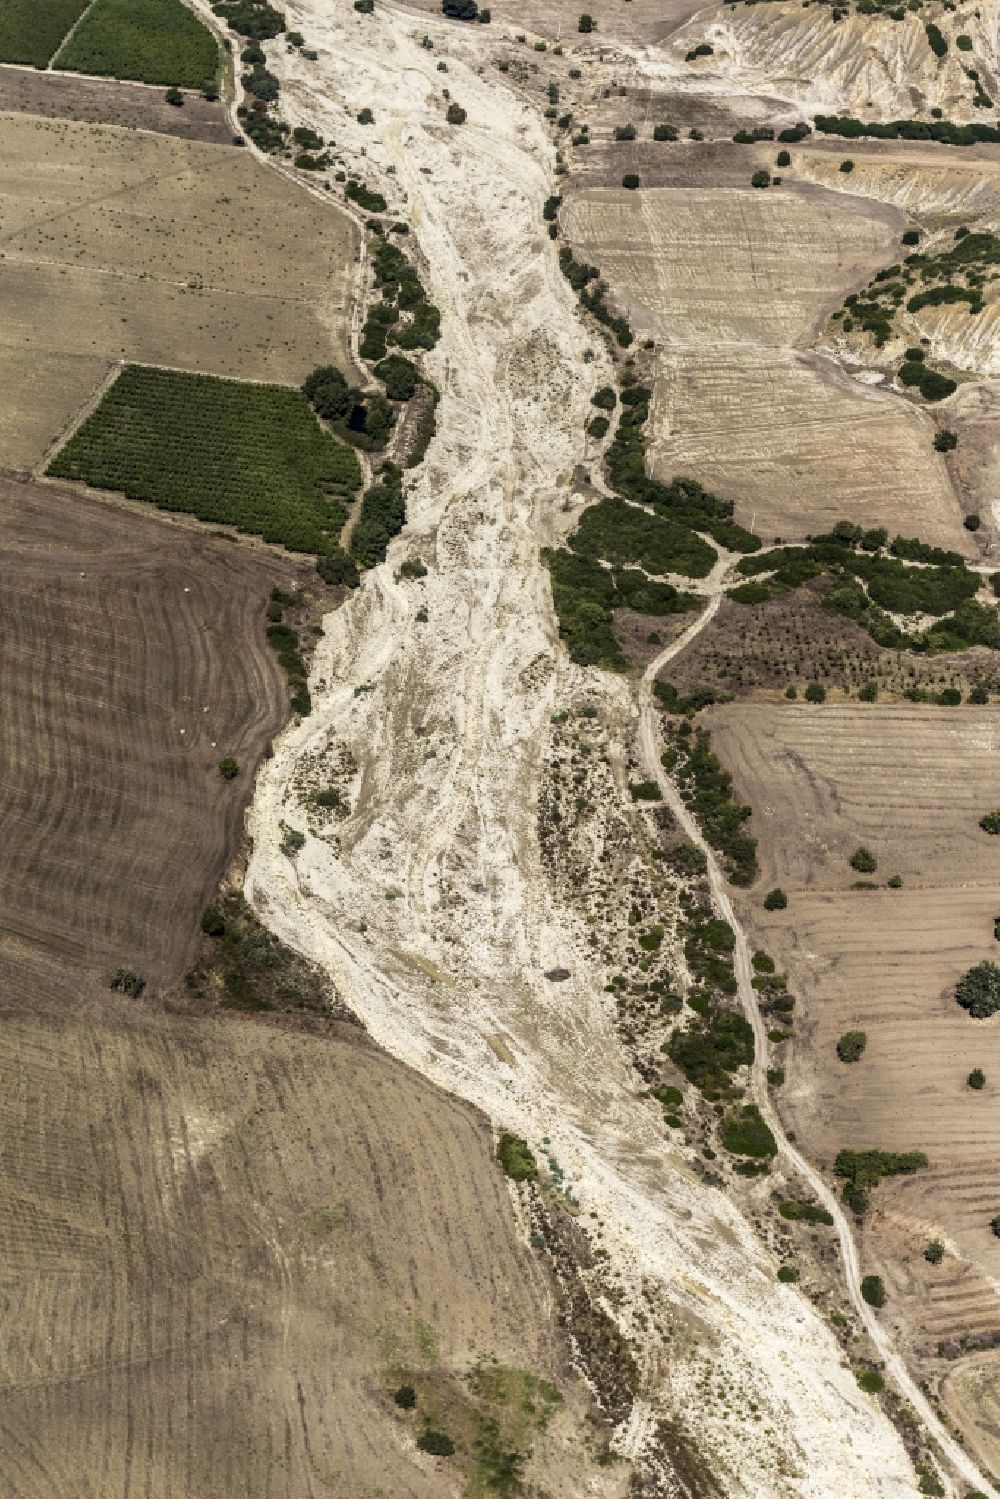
<point>910,783</point>
<point>225,1245</point>
<point>134,658</point>
<point>104,101</point>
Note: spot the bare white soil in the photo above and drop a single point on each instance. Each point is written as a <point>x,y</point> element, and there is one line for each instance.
<point>430,906</point>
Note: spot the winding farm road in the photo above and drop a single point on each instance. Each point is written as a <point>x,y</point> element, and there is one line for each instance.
<point>650,750</point>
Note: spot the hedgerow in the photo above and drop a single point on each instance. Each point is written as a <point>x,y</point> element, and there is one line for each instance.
<point>707,789</point>
<point>382,515</point>
<point>250,456</point>
<point>943,131</point>
<point>862,1170</point>
<point>152,41</point>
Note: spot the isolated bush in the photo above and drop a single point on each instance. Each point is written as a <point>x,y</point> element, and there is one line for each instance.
<point>438,1443</point>
<point>873,1290</point>
<point>815,693</point>
<point>460,10</point>
<point>761,178</point>
<point>871,1381</point>
<point>934,1252</point>
<point>127,981</point>
<point>605,398</point>
<point>972,522</point>
<point>703,49</point>
<point>978,990</point>
<point>869,692</point>
<point>864,861</point>
<point>775,900</point>
<point>995,1225</point>
<point>598,426</point>
<point>847,166</point>
<point>979,694</point>
<point>911,237</point>
<point>228,768</point>
<point>585,23</point>
<point>328,393</point>
<point>630,180</point>
<point>212,922</point>
<point>516,1159</point>
<point>945,441</point>
<point>977,1079</point>
<point>664,132</point>
<point>938,45</point>
<point>174,96</point>
<point>624,133</point>
<point>787,1275</point>
<point>804,1212</point>
<point>783,159</point>
<point>990,822</point>
<point>851,1046</point>
<point>936,387</point>
<point>405,1397</point>
<point>763,962</point>
<point>456,115</point>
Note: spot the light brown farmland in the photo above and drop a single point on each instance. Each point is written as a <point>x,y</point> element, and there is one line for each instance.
<point>116,244</point>
<point>225,1244</point>
<point>133,658</point>
<point>910,783</point>
<point>733,285</point>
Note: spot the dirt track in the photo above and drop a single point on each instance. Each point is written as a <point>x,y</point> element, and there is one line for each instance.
<point>435,915</point>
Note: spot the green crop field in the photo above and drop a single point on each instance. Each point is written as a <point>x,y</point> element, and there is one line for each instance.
<point>250,456</point>
<point>151,41</point>
<point>31,30</point>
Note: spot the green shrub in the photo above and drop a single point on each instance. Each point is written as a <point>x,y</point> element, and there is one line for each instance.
<point>978,990</point>
<point>862,1170</point>
<point>851,1045</point>
<point>937,42</point>
<point>815,693</point>
<point>864,861</point>
<point>228,768</point>
<point>516,1159</point>
<point>945,441</point>
<point>934,1252</point>
<point>670,1098</point>
<point>150,41</point>
<point>438,1443</point>
<point>977,1078</point>
<point>804,1212</point>
<point>127,981</point>
<point>664,132</point>
<point>585,23</point>
<point>456,115</point>
<point>746,1133</point>
<point>399,375</point>
<point>645,791</point>
<point>871,1381</point>
<point>775,900</point>
<point>873,1290</point>
<point>911,237</point>
<point>381,517</point>
<point>605,398</point>
<point>712,1048</point>
<point>763,962</point>
<point>972,522</point>
<point>174,96</point>
<point>847,166</point>
<point>630,180</point>
<point>787,1275</point>
<point>413,567</point>
<point>598,426</point>
<point>212,922</point>
<point>761,178</point>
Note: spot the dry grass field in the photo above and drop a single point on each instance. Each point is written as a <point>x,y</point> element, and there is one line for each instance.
<point>733,284</point>
<point>225,1245</point>
<point>103,101</point>
<point>133,659</point>
<point>119,245</point>
<point>910,783</point>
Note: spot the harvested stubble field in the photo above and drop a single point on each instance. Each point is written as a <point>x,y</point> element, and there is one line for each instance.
<point>103,101</point>
<point>735,283</point>
<point>134,658</point>
<point>225,1244</point>
<point>251,456</point>
<point>118,245</point>
<point>910,783</point>
<point>152,41</point>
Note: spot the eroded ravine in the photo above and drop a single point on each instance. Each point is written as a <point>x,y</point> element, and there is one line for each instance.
<point>430,907</point>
